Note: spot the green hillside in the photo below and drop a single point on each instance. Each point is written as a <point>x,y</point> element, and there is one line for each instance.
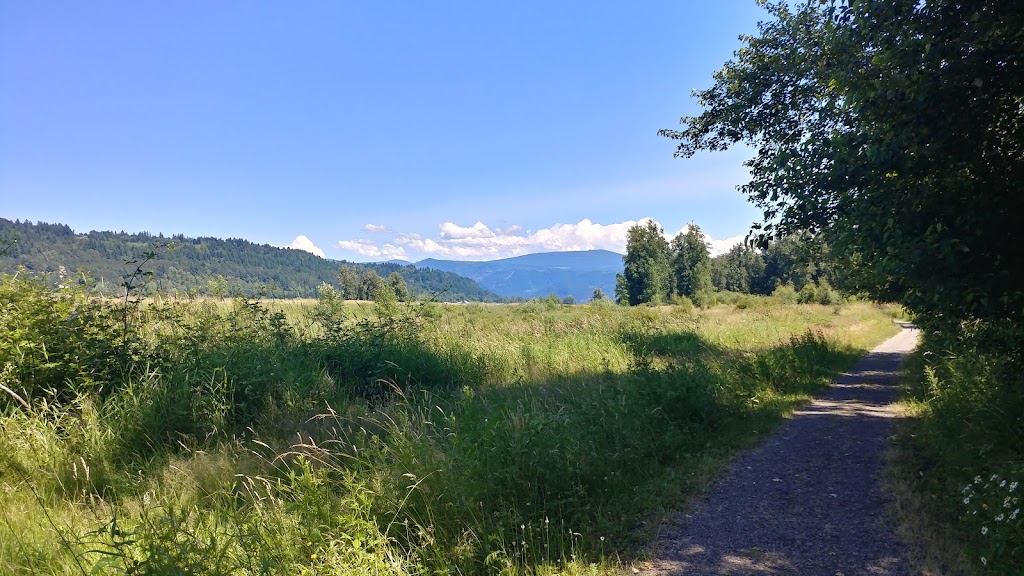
<point>205,266</point>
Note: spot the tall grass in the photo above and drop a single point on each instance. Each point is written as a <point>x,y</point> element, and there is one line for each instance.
<point>236,438</point>
<point>961,458</point>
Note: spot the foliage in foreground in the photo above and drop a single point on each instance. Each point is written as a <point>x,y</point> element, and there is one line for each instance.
<point>211,439</point>
<point>963,449</point>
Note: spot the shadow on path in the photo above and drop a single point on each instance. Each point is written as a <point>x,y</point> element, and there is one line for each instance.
<point>809,500</point>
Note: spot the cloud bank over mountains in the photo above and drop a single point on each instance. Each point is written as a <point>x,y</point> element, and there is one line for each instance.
<point>480,242</point>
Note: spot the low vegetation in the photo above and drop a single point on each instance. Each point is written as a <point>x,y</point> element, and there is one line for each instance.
<point>329,437</point>
<point>961,459</point>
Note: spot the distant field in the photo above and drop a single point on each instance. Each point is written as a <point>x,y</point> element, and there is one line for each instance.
<point>306,437</point>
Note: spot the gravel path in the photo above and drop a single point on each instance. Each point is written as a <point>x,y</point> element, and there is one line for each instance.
<point>809,501</point>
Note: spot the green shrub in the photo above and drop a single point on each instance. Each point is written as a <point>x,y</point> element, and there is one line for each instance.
<point>825,295</point>
<point>60,342</point>
<point>969,383</point>
<point>785,294</point>
<point>808,294</point>
<point>681,303</point>
<point>703,299</point>
<point>726,297</point>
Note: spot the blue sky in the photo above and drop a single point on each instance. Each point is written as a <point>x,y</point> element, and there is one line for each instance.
<point>465,130</point>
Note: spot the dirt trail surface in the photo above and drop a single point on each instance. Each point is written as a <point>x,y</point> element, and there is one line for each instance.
<point>810,500</point>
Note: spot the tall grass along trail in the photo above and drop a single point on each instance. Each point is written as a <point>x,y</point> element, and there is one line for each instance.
<point>329,438</point>
<point>810,500</point>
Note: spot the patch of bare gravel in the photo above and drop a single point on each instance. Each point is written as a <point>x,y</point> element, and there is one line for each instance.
<point>811,499</point>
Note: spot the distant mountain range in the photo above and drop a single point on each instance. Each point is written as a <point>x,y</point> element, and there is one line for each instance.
<point>574,274</point>
<point>183,264</point>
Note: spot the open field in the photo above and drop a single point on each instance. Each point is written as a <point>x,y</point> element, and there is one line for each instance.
<point>341,438</point>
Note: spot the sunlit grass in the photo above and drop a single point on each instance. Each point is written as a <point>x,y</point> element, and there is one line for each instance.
<point>283,437</point>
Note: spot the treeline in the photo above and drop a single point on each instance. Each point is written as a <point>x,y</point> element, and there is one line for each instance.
<point>790,263</point>
<point>659,271</point>
<point>361,283</point>
<point>203,266</point>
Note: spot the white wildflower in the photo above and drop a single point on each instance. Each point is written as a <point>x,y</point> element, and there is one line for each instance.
<point>993,478</point>
<point>984,530</point>
<point>1000,517</point>
<point>977,479</point>
<point>1013,486</point>
<point>1002,484</point>
<point>1014,515</point>
<point>984,561</point>
<point>967,500</point>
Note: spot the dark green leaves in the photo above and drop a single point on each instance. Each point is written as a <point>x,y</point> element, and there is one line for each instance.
<point>893,130</point>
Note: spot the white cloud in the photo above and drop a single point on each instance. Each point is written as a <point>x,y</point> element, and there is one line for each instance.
<point>724,245</point>
<point>584,235</point>
<point>508,231</point>
<point>376,229</point>
<point>370,249</point>
<point>408,236</point>
<point>301,242</point>
<point>450,231</point>
<point>479,242</point>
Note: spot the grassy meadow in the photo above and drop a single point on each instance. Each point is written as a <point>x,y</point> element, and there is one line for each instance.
<point>331,437</point>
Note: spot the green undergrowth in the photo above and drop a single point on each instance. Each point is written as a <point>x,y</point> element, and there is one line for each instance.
<point>203,437</point>
<point>960,457</point>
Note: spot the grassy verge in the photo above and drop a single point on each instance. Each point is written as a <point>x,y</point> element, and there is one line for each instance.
<point>518,439</point>
<point>958,464</point>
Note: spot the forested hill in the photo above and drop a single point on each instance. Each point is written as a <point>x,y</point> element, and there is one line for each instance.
<point>205,265</point>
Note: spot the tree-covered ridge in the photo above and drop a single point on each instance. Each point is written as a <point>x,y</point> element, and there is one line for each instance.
<point>204,265</point>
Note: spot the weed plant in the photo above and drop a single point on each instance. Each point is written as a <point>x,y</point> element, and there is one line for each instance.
<point>235,437</point>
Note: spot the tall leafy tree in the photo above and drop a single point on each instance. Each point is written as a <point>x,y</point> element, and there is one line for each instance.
<point>398,286</point>
<point>788,261</point>
<point>894,130</point>
<point>646,277</point>
<point>741,269</point>
<point>348,280</point>
<point>369,282</point>
<point>691,263</point>
<point>621,290</point>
